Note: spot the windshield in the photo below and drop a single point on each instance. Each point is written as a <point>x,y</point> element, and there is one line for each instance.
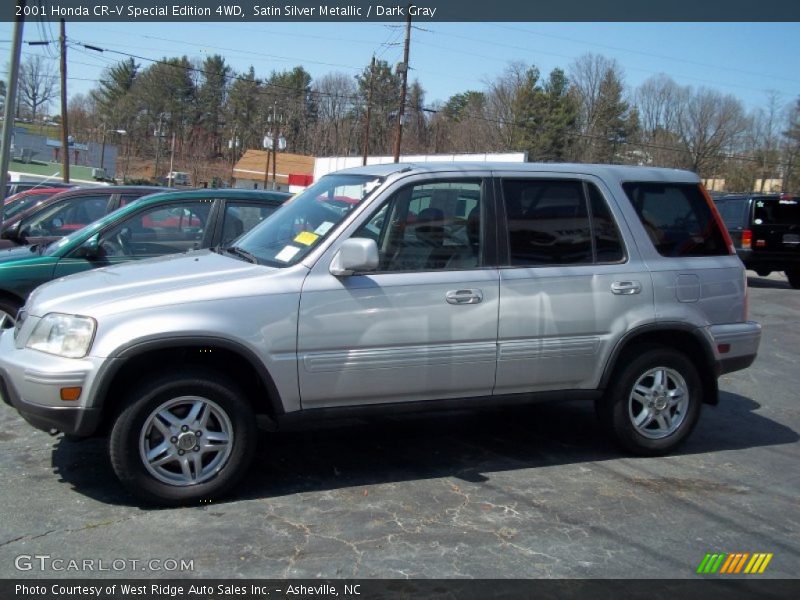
<point>18,204</point>
<point>307,219</point>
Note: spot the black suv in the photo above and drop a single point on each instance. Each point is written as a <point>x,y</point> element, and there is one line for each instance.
<point>765,229</point>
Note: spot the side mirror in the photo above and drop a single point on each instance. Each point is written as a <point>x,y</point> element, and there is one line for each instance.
<point>11,233</point>
<point>355,255</point>
<point>89,249</point>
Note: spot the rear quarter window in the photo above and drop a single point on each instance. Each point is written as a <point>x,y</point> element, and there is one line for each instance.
<point>677,218</point>
<point>733,212</point>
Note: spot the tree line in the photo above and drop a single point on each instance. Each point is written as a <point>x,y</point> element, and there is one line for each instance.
<point>584,113</point>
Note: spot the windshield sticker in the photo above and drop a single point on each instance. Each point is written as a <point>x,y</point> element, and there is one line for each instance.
<point>306,238</point>
<point>323,228</point>
<point>760,204</point>
<point>287,254</point>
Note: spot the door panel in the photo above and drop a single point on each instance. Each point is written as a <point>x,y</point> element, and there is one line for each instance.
<point>394,337</point>
<point>572,290</point>
<point>558,323</point>
<point>423,326</point>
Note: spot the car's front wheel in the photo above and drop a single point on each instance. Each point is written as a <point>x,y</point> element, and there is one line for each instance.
<point>9,309</point>
<point>183,438</point>
<point>654,402</point>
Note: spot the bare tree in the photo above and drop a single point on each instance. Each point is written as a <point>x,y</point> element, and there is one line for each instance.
<point>660,101</point>
<point>335,94</point>
<point>709,126</point>
<point>37,84</point>
<point>791,149</point>
<point>766,134</point>
<point>605,119</point>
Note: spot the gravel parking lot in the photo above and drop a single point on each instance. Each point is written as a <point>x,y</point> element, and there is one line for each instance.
<point>524,493</point>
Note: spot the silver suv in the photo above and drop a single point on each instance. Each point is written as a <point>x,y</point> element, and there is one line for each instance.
<point>384,287</point>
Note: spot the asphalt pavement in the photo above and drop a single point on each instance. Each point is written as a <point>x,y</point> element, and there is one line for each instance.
<point>524,493</point>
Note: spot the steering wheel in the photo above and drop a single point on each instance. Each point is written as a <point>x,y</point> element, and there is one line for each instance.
<point>118,246</point>
<point>111,248</point>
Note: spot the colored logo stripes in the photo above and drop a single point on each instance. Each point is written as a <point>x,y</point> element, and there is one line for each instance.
<point>735,563</point>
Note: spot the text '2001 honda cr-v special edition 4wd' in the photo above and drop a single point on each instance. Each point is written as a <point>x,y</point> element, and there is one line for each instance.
<point>388,287</point>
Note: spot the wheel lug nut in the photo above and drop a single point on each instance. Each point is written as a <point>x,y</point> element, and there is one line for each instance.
<point>184,428</point>
<point>180,453</point>
<point>196,448</point>
<point>173,439</point>
<point>199,434</point>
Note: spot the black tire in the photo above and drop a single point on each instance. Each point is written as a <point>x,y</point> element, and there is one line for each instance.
<point>220,396</point>
<point>616,409</point>
<point>9,307</point>
<point>793,275</point>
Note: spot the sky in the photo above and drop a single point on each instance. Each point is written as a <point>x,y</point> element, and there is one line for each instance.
<point>746,60</point>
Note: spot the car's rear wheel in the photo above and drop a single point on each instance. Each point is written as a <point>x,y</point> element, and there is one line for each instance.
<point>654,402</point>
<point>183,438</point>
<point>793,275</point>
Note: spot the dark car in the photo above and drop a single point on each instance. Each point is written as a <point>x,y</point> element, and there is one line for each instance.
<point>765,229</point>
<point>153,226</point>
<point>20,201</point>
<point>23,186</point>
<point>68,211</point>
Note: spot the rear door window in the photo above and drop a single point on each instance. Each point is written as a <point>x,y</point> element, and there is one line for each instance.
<point>241,217</point>
<point>677,218</point>
<point>549,223</point>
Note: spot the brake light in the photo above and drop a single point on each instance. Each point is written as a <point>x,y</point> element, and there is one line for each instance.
<point>747,239</point>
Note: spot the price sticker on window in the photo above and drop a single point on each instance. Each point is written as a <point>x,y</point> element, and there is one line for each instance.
<point>287,254</point>
<point>306,238</point>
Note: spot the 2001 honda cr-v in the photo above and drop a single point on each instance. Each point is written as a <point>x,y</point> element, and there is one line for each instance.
<point>423,285</point>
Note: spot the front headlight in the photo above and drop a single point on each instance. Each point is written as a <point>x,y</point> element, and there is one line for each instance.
<point>64,335</point>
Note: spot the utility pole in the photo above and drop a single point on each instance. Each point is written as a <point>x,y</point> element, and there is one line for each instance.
<point>275,142</point>
<point>158,135</point>
<point>369,110</point>
<point>398,140</point>
<point>273,135</point>
<point>171,176</point>
<point>64,125</point>
<point>11,92</point>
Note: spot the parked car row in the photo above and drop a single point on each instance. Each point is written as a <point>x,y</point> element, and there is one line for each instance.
<point>59,242</point>
<point>432,286</point>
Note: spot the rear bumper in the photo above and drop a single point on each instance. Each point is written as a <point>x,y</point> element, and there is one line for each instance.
<point>735,345</point>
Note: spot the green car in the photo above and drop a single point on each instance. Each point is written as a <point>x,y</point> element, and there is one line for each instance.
<point>154,225</point>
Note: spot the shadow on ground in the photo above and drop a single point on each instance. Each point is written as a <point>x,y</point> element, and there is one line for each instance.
<point>754,281</point>
<point>412,447</point>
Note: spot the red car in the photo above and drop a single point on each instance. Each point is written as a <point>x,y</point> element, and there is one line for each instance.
<point>68,211</point>
<point>27,199</point>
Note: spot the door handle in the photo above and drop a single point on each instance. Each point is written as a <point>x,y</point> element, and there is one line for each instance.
<point>463,296</point>
<point>626,288</point>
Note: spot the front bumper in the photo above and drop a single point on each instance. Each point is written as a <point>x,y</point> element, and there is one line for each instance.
<point>735,345</point>
<point>31,381</point>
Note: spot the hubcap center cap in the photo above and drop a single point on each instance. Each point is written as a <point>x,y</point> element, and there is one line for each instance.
<point>660,403</point>
<point>187,440</point>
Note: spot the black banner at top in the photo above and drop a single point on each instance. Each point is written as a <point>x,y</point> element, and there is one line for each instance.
<point>387,10</point>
